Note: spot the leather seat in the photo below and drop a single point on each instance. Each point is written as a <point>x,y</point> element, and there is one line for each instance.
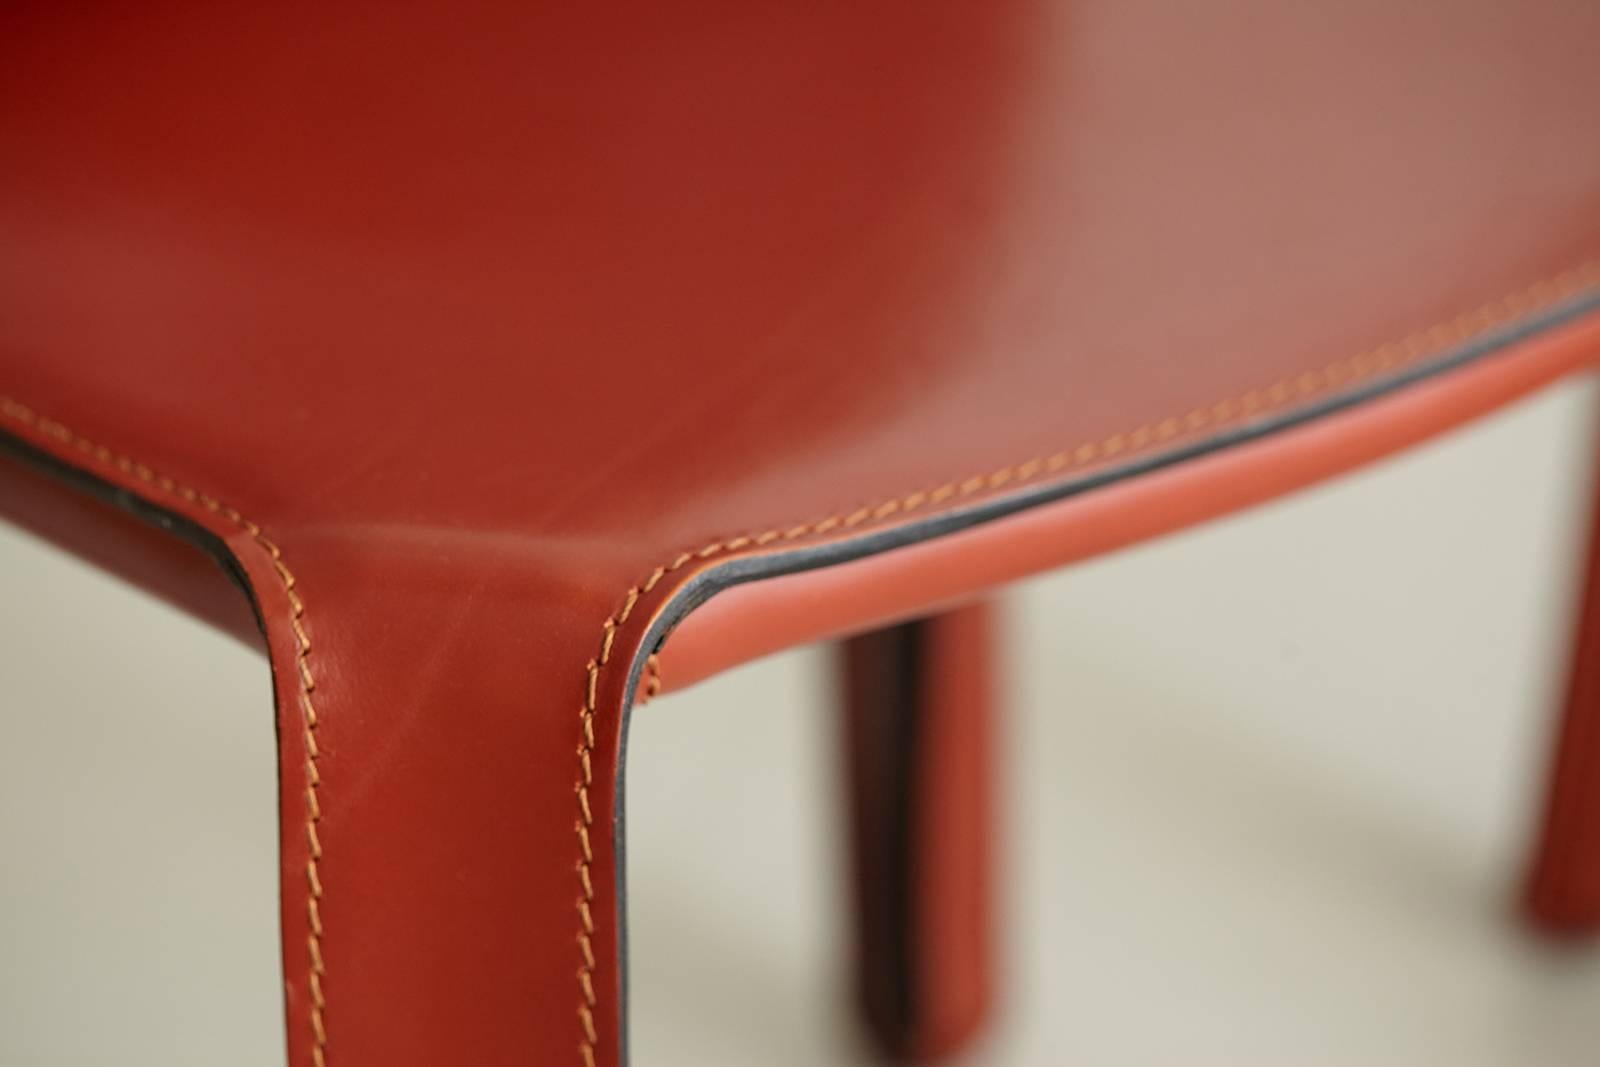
<point>517,359</point>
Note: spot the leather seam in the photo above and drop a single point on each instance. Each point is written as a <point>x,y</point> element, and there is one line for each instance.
<point>20,413</point>
<point>652,680</point>
<point>1281,393</point>
<point>1257,401</point>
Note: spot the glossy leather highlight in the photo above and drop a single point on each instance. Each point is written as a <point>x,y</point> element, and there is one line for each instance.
<point>473,333</point>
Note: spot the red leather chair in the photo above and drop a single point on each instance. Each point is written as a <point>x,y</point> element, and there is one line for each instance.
<point>515,361</point>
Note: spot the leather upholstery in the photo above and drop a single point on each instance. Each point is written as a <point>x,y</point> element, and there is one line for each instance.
<point>918,703</point>
<point>1562,890</point>
<point>474,332</point>
<point>175,568</point>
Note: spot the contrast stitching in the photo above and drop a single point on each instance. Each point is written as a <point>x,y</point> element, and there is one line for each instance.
<point>1257,401</point>
<point>19,413</point>
<point>652,679</point>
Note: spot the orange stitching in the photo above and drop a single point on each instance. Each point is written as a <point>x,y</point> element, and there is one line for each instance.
<point>652,680</point>
<point>18,413</point>
<point>1278,394</point>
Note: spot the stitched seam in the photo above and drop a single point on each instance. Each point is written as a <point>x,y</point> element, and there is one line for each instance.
<point>652,680</point>
<point>1278,394</point>
<point>19,413</point>
<point>1140,439</point>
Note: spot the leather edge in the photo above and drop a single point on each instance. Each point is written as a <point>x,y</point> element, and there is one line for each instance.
<point>163,519</point>
<point>730,572</point>
<point>703,583</point>
<point>286,648</point>
<point>708,581</point>
<point>739,570</point>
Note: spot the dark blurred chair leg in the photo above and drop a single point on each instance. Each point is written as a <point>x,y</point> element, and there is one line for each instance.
<point>1563,890</point>
<point>918,699</point>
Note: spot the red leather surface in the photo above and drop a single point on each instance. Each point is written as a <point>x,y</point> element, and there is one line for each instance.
<point>462,324</point>
<point>962,827</point>
<point>1563,891</point>
<point>103,534</point>
<point>750,621</point>
<point>919,751</point>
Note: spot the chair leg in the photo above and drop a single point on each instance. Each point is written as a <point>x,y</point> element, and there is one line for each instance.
<point>1563,891</point>
<point>917,709</point>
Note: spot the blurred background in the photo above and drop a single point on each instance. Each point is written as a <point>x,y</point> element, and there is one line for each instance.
<point>1268,785</point>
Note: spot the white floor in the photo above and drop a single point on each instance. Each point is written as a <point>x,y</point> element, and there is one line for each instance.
<point>1267,788</point>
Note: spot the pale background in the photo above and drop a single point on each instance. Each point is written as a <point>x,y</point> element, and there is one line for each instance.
<point>1267,786</point>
